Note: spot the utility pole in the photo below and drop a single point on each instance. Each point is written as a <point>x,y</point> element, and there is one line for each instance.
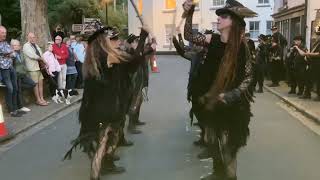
<point>115,5</point>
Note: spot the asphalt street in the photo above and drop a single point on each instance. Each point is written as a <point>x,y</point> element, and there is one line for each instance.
<point>280,146</point>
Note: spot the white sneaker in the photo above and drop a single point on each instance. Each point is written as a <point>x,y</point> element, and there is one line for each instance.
<point>24,109</point>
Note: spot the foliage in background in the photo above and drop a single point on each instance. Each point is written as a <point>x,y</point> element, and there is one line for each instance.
<point>65,12</point>
<point>11,17</point>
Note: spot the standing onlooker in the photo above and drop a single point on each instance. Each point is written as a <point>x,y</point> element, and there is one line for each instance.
<point>8,73</point>
<point>79,51</point>
<point>297,67</point>
<point>314,66</point>
<point>281,40</point>
<point>60,50</point>
<point>53,68</point>
<point>72,73</point>
<point>260,65</point>
<point>275,63</point>
<point>58,32</point>
<point>32,55</point>
<point>251,44</point>
<point>23,81</point>
<point>282,43</point>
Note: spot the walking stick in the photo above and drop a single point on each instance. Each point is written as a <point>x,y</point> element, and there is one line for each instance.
<point>137,12</point>
<point>143,23</point>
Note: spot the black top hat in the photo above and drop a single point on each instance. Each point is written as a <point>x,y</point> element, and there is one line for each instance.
<point>110,32</point>
<point>274,27</point>
<point>132,38</point>
<point>298,38</point>
<point>237,10</point>
<point>208,31</point>
<point>263,37</point>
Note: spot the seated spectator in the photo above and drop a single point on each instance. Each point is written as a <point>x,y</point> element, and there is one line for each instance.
<point>8,73</point>
<point>53,68</point>
<point>23,81</point>
<point>32,55</point>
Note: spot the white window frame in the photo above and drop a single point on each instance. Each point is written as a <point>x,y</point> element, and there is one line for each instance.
<point>269,31</point>
<point>215,3</point>
<point>255,32</point>
<point>214,26</point>
<point>168,35</point>
<point>264,2</point>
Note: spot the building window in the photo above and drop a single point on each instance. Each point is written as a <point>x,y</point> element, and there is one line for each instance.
<point>269,26</point>
<point>254,29</point>
<point>140,6</point>
<point>263,1</point>
<point>171,4</point>
<point>218,3</point>
<point>168,33</point>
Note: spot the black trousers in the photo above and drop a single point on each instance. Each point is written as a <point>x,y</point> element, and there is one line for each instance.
<point>259,73</point>
<point>71,81</point>
<point>308,82</point>
<point>276,68</point>
<point>297,78</point>
<point>79,83</point>
<point>316,77</point>
<point>23,82</point>
<point>53,83</point>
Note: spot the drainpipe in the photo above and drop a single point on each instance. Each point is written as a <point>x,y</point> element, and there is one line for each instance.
<point>306,17</point>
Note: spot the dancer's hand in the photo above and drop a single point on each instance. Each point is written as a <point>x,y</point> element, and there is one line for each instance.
<point>221,98</point>
<point>187,5</point>
<point>146,28</point>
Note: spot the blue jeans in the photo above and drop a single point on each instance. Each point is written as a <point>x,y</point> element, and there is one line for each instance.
<point>9,78</point>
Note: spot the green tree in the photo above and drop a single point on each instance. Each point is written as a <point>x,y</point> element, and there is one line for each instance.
<point>11,18</point>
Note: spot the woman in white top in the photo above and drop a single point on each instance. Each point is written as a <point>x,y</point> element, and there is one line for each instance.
<point>53,68</point>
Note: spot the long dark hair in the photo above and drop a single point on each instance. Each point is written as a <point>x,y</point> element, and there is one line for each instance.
<point>100,48</point>
<point>228,66</point>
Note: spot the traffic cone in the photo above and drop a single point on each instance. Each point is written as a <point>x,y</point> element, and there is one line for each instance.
<point>154,66</point>
<point>4,131</point>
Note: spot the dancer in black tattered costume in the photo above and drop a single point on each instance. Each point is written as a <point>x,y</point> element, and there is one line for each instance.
<point>222,90</point>
<point>139,83</point>
<point>106,98</point>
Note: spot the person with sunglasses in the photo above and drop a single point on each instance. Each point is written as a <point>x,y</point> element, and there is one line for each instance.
<point>222,91</point>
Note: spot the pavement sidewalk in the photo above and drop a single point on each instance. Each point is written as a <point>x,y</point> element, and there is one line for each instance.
<point>309,107</point>
<point>37,115</point>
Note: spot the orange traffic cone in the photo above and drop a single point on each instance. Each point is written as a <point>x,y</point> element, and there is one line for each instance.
<point>4,132</point>
<point>154,66</point>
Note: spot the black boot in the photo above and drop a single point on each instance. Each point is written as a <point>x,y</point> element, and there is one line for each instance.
<point>260,90</point>
<point>140,123</point>
<point>306,96</point>
<point>200,143</point>
<point>205,154</point>
<point>108,167</point>
<point>300,93</point>
<point>132,129</point>
<point>292,91</point>
<point>125,143</point>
